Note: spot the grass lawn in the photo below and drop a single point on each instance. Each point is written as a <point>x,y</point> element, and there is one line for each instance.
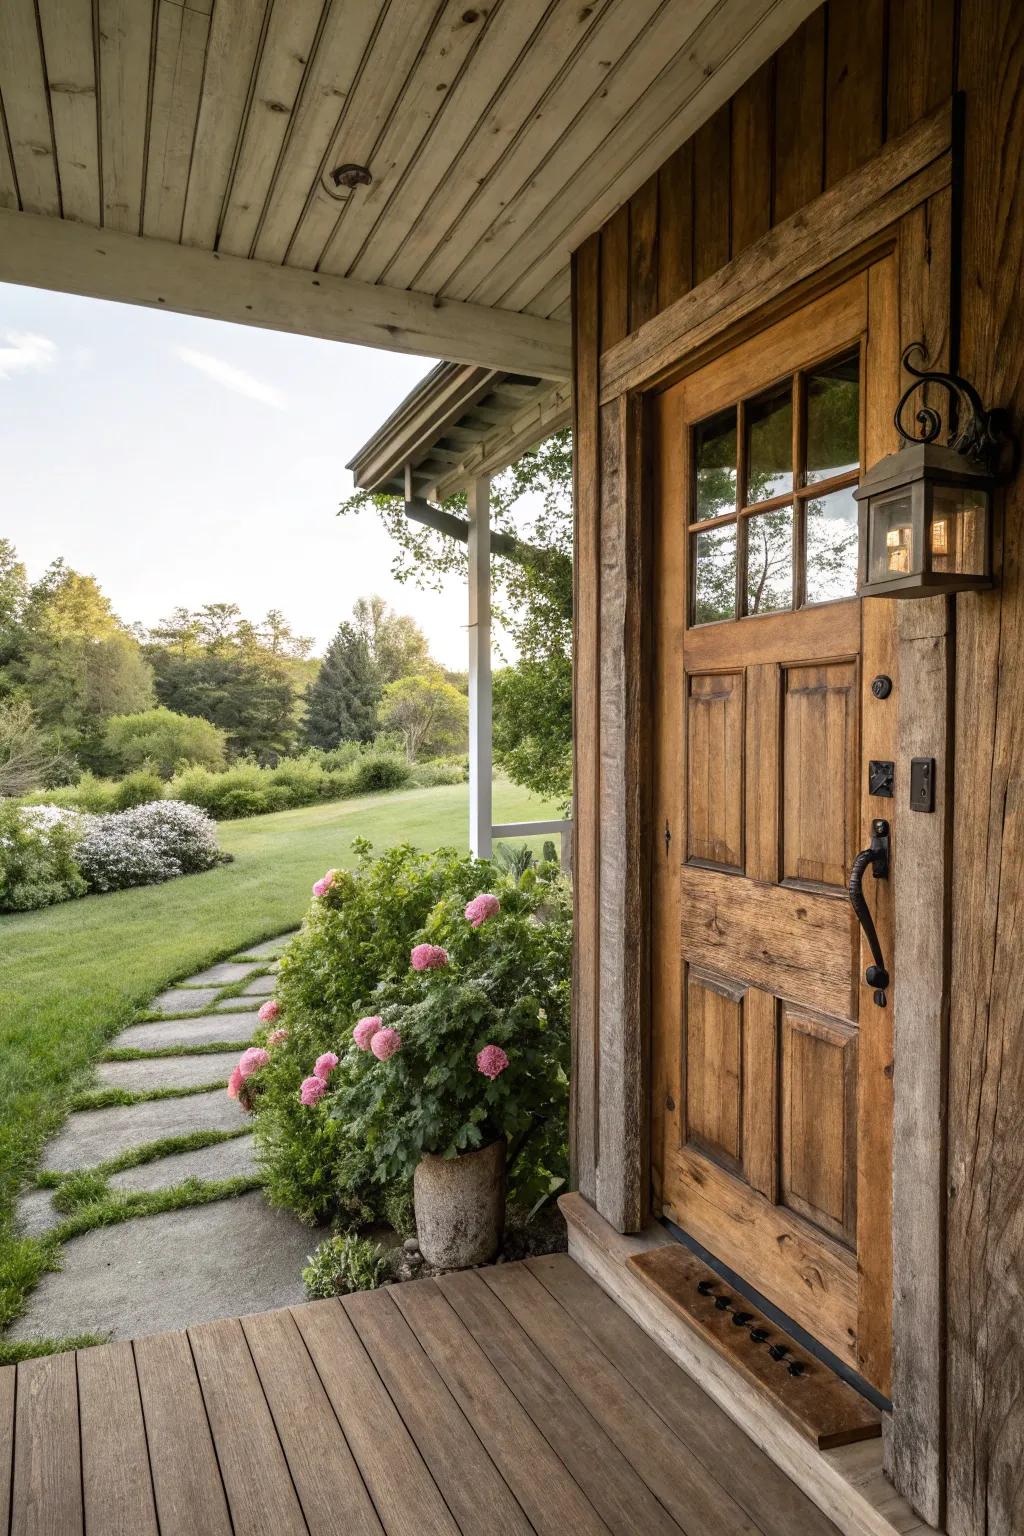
<point>73,975</point>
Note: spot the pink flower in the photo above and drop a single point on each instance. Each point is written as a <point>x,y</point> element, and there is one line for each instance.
<point>491,1061</point>
<point>235,1082</point>
<point>365,1031</point>
<point>251,1060</point>
<point>312,1090</point>
<point>428,957</point>
<point>385,1043</point>
<point>324,884</point>
<point>325,1065</point>
<point>481,908</point>
<point>278,1037</point>
<point>269,1012</point>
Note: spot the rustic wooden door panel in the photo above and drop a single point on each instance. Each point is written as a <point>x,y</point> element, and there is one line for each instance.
<point>819,803</point>
<point>798,944</point>
<point>819,1122</point>
<point>771,1143</point>
<point>713,1051</point>
<point>714,770</point>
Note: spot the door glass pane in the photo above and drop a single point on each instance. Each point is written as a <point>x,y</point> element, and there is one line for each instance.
<point>770,561</point>
<point>831,547</point>
<point>833,420</point>
<point>715,575</point>
<point>714,454</point>
<point>770,445</point>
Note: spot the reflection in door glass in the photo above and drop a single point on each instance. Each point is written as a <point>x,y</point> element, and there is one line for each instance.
<point>715,575</point>
<point>833,420</point>
<point>770,561</point>
<point>714,452</point>
<point>770,445</point>
<point>831,546</point>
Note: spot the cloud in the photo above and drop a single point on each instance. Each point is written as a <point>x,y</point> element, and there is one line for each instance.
<point>235,379</point>
<point>24,352</point>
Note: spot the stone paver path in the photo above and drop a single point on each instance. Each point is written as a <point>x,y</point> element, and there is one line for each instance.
<point>195,1263</point>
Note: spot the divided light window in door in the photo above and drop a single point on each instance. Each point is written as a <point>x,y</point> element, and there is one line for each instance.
<point>773,520</point>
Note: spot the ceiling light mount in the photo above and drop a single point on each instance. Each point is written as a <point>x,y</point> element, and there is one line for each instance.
<point>345,178</point>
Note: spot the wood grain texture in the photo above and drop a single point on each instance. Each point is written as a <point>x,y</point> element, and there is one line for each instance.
<point>711,185</point>
<point>586,714</point>
<point>799,147</point>
<point>604,1473</point>
<point>715,768</point>
<point>821,1405</point>
<point>126,32</point>
<point>795,943</point>
<point>614,288</point>
<point>26,108</point>
<point>47,1492</point>
<point>190,1499</point>
<point>907,172</point>
<point>818,1134</point>
<point>67,34</point>
<point>763,763</point>
<point>551,1499</point>
<point>8,1385</point>
<point>750,158</point>
<point>854,86</point>
<point>259,1487</point>
<point>322,1467</point>
<point>643,253</point>
<point>713,1047</point>
<point>919,56</point>
<point>181,37</point>
<point>117,1492</point>
<point>396,1478</point>
<point>986,1084</point>
<point>675,226</point>
<point>761,1092</point>
<point>470,1483</point>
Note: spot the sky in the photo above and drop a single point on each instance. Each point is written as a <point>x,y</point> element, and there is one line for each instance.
<point>184,461</point>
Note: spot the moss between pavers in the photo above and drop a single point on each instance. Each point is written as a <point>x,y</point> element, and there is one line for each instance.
<point>134,1157</point>
<point>207,1048</point>
<point>109,1098</point>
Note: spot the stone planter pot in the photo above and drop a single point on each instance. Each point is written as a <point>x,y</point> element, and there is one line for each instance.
<point>460,1206</point>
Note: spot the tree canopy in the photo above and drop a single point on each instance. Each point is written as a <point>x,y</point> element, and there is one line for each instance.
<point>341,703</point>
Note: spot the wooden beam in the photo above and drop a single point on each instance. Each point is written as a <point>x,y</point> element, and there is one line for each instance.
<point>860,206</point>
<point>52,253</point>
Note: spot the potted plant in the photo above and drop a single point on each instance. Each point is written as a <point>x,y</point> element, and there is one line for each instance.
<point>458,1069</point>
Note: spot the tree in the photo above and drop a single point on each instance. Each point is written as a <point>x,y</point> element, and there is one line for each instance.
<point>341,702</point>
<point>430,714</point>
<point>163,738</point>
<point>397,645</point>
<point>27,755</point>
<point>532,602</point>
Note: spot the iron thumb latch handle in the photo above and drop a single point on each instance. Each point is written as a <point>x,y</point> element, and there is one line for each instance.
<point>877,857</point>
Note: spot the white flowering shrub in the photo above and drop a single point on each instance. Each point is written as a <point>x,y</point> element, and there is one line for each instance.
<point>146,845</point>
<point>38,857</point>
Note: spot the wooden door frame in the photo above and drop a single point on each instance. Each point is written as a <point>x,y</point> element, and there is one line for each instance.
<point>894,203</point>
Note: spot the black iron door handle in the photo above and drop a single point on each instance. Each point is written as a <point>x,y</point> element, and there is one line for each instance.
<point>877,858</point>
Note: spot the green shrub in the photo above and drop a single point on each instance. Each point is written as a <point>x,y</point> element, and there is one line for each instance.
<point>90,794</point>
<point>386,771</point>
<point>37,858</point>
<point>440,771</point>
<point>138,789</point>
<point>343,1264</point>
<point>163,738</point>
<point>352,958</point>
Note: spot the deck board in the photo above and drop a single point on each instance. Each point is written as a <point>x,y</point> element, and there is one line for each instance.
<point>501,1402</point>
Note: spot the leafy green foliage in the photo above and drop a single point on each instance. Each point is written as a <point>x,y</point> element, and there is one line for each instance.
<point>397,645</point>
<point>163,739</point>
<point>507,984</point>
<point>342,1264</point>
<point>37,862</point>
<point>431,716</point>
<point>138,789</point>
<point>341,704</point>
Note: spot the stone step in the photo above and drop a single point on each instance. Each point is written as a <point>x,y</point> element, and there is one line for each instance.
<point>167,1072</point>
<point>226,1160</point>
<point>91,1136</point>
<point>171,1271</point>
<point>260,986</point>
<point>184,1000</point>
<point>270,947</point>
<point>206,1029</point>
<point>224,974</point>
<point>34,1213</point>
<point>233,1004</point>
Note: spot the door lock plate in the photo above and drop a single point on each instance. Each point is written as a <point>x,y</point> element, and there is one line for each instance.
<point>922,784</point>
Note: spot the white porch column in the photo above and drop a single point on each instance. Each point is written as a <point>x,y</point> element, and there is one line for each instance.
<point>480,809</point>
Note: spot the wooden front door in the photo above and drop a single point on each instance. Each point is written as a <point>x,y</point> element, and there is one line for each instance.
<point>771,1061</point>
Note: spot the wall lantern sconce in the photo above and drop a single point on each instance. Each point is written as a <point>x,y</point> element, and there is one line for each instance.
<point>926,510</point>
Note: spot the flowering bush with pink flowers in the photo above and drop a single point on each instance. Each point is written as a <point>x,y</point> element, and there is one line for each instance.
<point>439,987</point>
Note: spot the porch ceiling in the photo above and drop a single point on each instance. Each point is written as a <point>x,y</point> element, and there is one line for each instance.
<point>497,137</point>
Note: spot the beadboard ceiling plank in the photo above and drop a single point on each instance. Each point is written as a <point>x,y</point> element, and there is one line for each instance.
<point>126,30</point>
<point>67,33</point>
<point>232,58</point>
<point>181,39</point>
<point>379,74</point>
<point>291,38</point>
<point>27,108</point>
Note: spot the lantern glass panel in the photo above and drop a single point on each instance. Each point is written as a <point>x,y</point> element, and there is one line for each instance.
<point>959,522</point>
<point>892,552</point>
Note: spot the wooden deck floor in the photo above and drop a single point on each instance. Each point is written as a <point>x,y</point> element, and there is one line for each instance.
<point>496,1402</point>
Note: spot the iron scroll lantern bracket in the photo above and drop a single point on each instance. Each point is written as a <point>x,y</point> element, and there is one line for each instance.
<point>975,433</point>
<point>875,858</point>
